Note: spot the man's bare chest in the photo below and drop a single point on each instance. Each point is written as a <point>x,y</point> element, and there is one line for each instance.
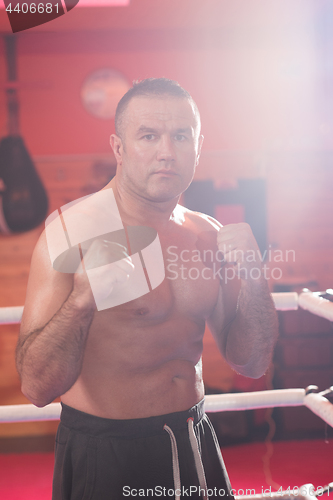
<point>191,274</point>
<point>189,289</point>
<point>191,280</point>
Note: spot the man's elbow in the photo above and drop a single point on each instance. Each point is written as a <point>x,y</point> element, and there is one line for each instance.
<point>250,370</point>
<point>35,397</point>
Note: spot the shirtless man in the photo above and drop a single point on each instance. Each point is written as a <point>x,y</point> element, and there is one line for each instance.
<point>130,376</point>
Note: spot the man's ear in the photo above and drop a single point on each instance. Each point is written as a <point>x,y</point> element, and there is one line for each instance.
<point>117,147</point>
<point>200,141</point>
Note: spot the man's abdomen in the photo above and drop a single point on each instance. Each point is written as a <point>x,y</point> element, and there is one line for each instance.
<point>174,386</point>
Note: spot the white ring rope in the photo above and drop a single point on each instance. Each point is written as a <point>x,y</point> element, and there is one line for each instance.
<point>213,403</point>
<point>10,315</point>
<point>316,305</point>
<point>29,413</point>
<point>253,400</point>
<point>320,406</point>
<point>287,301</point>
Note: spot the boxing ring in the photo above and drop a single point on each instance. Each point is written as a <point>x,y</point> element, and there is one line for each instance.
<point>314,302</point>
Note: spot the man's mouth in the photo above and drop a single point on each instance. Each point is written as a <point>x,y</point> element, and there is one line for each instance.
<point>166,172</point>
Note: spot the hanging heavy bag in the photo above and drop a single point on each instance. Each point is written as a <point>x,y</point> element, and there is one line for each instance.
<point>24,199</point>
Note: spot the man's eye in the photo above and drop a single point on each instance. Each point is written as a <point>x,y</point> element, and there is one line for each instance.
<point>149,137</point>
<point>180,137</point>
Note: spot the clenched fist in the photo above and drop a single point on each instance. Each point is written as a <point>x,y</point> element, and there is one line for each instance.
<point>111,265</point>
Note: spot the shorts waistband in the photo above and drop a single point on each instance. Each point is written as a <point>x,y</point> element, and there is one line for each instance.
<point>138,427</point>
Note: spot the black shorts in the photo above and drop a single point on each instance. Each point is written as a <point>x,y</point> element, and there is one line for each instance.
<point>103,459</point>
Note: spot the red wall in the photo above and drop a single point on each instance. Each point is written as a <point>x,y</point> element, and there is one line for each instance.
<point>250,95</point>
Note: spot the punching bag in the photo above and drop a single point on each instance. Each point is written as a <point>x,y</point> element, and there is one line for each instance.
<point>24,200</point>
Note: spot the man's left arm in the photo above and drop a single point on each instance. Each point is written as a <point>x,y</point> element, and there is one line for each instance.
<point>244,322</point>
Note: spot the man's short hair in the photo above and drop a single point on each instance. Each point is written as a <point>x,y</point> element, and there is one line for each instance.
<point>152,87</point>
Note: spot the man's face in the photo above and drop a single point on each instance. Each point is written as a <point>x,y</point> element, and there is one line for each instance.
<point>159,148</point>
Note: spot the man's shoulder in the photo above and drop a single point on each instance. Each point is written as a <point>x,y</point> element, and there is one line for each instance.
<point>198,220</point>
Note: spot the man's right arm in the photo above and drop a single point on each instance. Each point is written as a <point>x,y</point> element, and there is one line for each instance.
<point>58,312</point>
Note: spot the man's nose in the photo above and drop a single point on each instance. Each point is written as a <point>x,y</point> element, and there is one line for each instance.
<point>166,149</point>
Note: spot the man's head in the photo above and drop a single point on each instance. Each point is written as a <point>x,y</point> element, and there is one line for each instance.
<point>152,87</point>
<point>157,142</point>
